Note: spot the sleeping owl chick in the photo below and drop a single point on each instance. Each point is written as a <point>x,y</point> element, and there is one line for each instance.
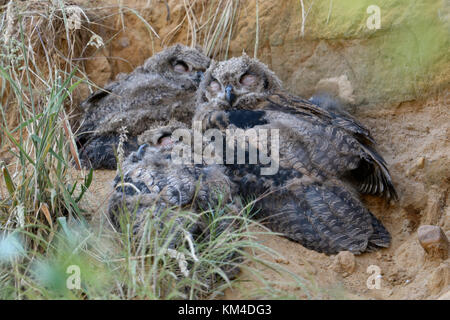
<point>325,159</point>
<point>155,186</point>
<point>163,88</point>
<point>152,179</point>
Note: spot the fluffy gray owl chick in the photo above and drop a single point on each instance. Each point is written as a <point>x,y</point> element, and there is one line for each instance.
<point>152,178</point>
<point>163,88</point>
<point>155,186</point>
<point>325,159</point>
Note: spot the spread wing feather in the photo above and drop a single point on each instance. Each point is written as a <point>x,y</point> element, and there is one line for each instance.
<point>327,218</point>
<point>346,138</point>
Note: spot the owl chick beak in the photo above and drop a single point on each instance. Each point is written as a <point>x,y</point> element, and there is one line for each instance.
<point>198,77</point>
<point>229,95</point>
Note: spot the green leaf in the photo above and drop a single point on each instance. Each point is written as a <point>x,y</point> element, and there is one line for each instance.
<point>18,145</point>
<point>85,186</point>
<point>26,123</point>
<point>8,181</point>
<point>63,223</point>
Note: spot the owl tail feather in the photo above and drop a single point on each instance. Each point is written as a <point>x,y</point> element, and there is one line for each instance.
<point>376,178</point>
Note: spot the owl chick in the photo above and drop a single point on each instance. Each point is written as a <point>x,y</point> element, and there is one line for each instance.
<point>153,179</point>
<point>156,184</point>
<point>326,158</point>
<point>163,88</point>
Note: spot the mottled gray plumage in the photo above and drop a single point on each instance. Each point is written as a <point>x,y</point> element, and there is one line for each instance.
<point>163,88</point>
<point>326,159</point>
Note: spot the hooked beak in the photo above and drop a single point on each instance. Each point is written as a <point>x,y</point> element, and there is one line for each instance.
<point>141,150</point>
<point>229,95</point>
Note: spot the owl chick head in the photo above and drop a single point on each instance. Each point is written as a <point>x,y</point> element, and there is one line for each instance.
<point>180,64</point>
<point>239,82</point>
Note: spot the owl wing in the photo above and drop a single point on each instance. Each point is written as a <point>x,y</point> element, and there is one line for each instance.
<point>338,132</point>
<point>324,108</point>
<point>122,82</point>
<point>99,152</point>
<point>107,110</point>
<point>339,116</point>
<point>329,219</point>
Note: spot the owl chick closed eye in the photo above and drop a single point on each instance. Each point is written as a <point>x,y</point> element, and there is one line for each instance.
<point>325,158</point>
<point>163,88</point>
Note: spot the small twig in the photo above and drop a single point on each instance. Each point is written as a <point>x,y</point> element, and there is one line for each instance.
<point>257,31</point>
<point>168,10</point>
<point>72,148</point>
<point>302,29</point>
<point>304,16</point>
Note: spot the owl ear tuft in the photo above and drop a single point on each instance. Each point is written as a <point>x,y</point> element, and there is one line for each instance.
<point>177,48</point>
<point>245,57</point>
<point>199,48</point>
<point>212,65</point>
